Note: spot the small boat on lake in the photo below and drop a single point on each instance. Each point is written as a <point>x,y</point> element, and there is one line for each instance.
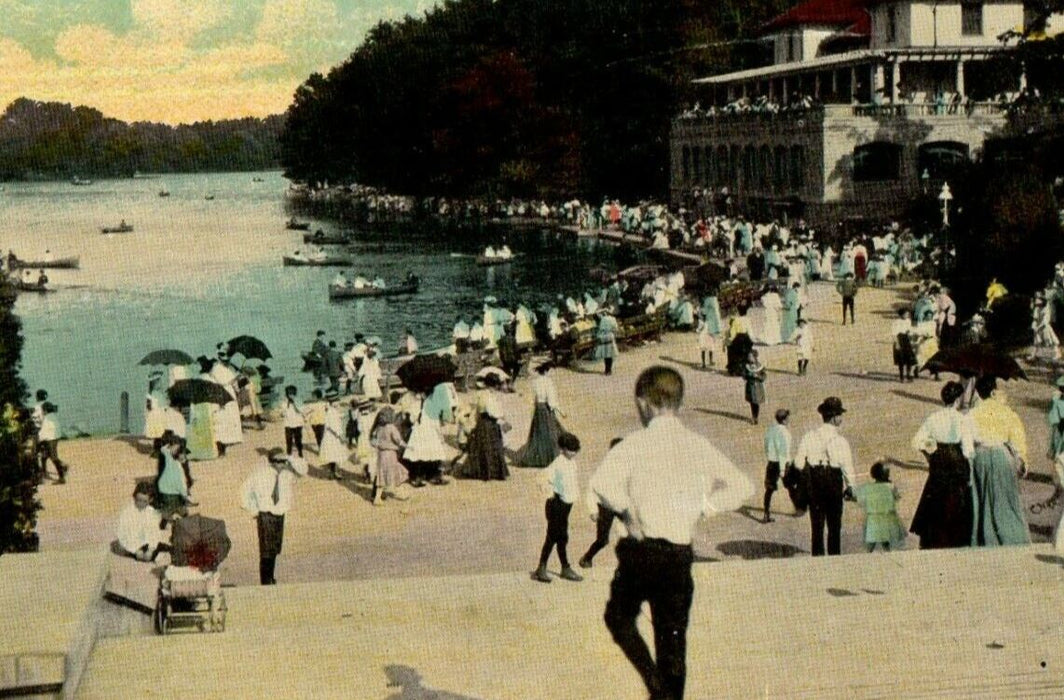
<point>22,286</point>
<point>78,181</point>
<point>293,225</point>
<point>485,260</point>
<point>410,286</point>
<point>322,238</point>
<point>320,261</point>
<point>121,228</point>
<point>164,193</point>
<point>67,263</point>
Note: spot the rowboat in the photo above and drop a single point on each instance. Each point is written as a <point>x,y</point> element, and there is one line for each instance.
<point>322,238</point>
<point>32,287</point>
<point>68,263</point>
<point>346,292</point>
<point>484,260</point>
<point>293,225</point>
<point>121,228</point>
<point>164,193</point>
<point>78,181</point>
<point>327,261</point>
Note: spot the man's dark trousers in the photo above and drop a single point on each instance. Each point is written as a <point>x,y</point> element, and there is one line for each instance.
<point>825,508</point>
<point>847,303</point>
<point>659,572</point>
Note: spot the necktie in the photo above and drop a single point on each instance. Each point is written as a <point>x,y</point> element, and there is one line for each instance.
<point>276,495</point>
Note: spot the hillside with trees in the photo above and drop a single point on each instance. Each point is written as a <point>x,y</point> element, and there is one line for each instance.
<point>517,97</point>
<point>51,140</point>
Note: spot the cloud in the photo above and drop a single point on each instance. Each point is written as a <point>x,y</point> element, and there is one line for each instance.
<point>176,61</point>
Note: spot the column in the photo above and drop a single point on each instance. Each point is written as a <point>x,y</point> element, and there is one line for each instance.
<point>853,84</point>
<point>895,71</point>
<point>785,96</point>
<point>879,82</point>
<point>960,78</point>
<point>816,86</point>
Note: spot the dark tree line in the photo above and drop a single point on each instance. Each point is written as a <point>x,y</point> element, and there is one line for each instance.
<point>18,479</point>
<point>50,140</point>
<point>517,97</point>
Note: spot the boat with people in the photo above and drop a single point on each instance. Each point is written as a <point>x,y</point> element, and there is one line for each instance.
<point>317,261</point>
<point>348,291</point>
<point>79,181</point>
<point>495,256</point>
<point>37,287</point>
<point>123,227</point>
<point>294,225</point>
<point>164,193</point>
<point>322,238</point>
<point>66,263</point>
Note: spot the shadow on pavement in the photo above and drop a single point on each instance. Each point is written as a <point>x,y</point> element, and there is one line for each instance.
<point>137,443</point>
<point>1050,559</point>
<point>916,397</point>
<point>905,464</point>
<point>724,414</point>
<point>758,549</point>
<point>870,376</point>
<point>408,681</point>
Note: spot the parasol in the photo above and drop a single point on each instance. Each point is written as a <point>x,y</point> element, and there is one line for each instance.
<point>976,361</point>
<point>189,391</point>
<point>499,375</point>
<point>423,372</point>
<point>166,357</point>
<point>200,542</point>
<point>250,347</point>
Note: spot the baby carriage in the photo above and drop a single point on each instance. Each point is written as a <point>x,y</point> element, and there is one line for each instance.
<point>190,591</point>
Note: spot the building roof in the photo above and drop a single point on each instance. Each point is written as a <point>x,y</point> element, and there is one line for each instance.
<point>844,14</point>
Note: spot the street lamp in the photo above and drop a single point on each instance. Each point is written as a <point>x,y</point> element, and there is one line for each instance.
<point>945,196</point>
<point>925,177</point>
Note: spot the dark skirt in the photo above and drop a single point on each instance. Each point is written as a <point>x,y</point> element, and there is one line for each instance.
<point>904,354</point>
<point>542,445</point>
<point>943,518</point>
<point>271,534</point>
<point>738,352</point>
<point>486,459</point>
<point>755,390</point>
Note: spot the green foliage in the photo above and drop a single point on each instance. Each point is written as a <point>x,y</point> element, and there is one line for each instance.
<point>18,482</point>
<point>516,97</point>
<point>49,140</point>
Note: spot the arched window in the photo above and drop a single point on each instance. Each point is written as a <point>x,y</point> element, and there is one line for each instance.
<point>749,156</point>
<point>696,163</point>
<point>780,168</point>
<point>708,169</point>
<point>940,159</point>
<point>686,164</point>
<point>722,165</point>
<point>876,161</point>
<point>733,166</point>
<point>797,167</point>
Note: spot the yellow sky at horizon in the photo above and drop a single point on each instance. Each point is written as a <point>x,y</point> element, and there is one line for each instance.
<point>179,62</point>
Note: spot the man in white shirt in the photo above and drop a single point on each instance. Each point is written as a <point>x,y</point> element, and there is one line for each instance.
<point>48,442</point>
<point>661,481</point>
<point>292,412</point>
<point>560,478</point>
<point>778,456</point>
<point>138,530</point>
<point>826,457</point>
<point>268,493</point>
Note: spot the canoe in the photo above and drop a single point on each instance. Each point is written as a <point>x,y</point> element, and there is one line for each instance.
<point>68,263</point>
<point>325,239</point>
<point>121,228</point>
<point>289,261</point>
<point>294,225</point>
<point>350,292</point>
<point>482,260</point>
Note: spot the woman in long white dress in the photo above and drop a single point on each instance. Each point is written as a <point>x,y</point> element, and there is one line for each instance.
<point>370,375</point>
<point>154,414</point>
<point>768,331</point>
<point>425,451</point>
<point>227,427</point>
<point>827,264</point>
<point>333,451</point>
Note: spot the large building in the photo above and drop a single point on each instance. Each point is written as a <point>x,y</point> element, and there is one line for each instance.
<point>867,103</point>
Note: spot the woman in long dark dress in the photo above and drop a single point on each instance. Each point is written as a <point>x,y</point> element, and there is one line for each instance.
<point>754,391</point>
<point>739,342</point>
<point>486,458</point>
<point>542,445</point>
<point>944,514</point>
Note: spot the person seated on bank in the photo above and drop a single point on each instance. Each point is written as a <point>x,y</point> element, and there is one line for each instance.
<point>489,252</point>
<point>361,282</point>
<point>340,280</point>
<point>378,282</point>
<point>504,252</point>
<point>139,530</point>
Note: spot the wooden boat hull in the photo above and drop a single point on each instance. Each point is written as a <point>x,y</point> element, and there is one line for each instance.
<point>289,261</point>
<point>36,288</point>
<point>297,226</point>
<point>116,229</point>
<point>481,260</point>
<point>353,292</point>
<point>70,263</point>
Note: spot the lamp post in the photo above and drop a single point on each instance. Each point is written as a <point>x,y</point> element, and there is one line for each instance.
<point>945,196</point>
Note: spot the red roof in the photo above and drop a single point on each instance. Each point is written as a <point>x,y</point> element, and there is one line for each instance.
<point>844,14</point>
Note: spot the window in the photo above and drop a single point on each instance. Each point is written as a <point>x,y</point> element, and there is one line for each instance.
<point>876,161</point>
<point>971,18</point>
<point>696,163</point>
<point>733,166</point>
<point>764,168</point>
<point>941,159</point>
<point>792,51</point>
<point>797,167</point>
<point>892,24</point>
<point>779,170</point>
<point>749,156</point>
<point>708,169</point>
<point>722,165</point>
<point>686,166</point>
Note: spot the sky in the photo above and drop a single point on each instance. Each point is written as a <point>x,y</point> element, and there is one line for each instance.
<point>179,61</point>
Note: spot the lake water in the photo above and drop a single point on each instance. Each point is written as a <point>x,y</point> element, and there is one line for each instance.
<point>198,271</point>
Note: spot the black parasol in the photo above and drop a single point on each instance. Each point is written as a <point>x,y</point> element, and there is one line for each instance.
<point>166,357</point>
<point>423,372</point>
<point>976,361</point>
<point>200,542</point>
<point>185,392</point>
<point>250,347</point>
